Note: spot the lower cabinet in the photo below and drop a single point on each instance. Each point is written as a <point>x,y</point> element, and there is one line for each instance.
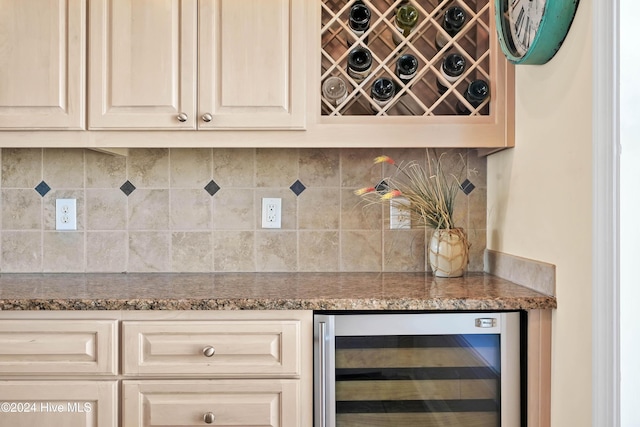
<point>149,403</point>
<point>58,403</point>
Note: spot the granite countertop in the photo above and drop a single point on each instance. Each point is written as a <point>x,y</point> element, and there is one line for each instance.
<point>265,291</point>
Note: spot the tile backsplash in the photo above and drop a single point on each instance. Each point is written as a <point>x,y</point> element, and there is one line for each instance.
<point>198,210</point>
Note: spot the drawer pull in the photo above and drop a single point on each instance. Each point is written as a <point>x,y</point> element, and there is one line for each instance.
<point>208,351</point>
<point>209,418</point>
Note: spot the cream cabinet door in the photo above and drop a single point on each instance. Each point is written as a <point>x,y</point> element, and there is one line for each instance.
<point>58,403</point>
<point>142,64</point>
<point>252,64</point>
<point>273,403</point>
<point>42,64</point>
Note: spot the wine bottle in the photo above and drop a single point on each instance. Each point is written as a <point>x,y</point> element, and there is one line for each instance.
<point>359,19</point>
<point>334,90</point>
<point>359,63</point>
<point>451,70</point>
<point>382,91</point>
<point>406,20</point>
<point>477,92</point>
<point>406,67</point>
<point>452,22</point>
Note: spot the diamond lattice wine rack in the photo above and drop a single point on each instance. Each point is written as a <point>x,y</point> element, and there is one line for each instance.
<point>419,95</point>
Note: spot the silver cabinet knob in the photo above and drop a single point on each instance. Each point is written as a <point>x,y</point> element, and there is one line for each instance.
<point>208,351</point>
<point>182,117</point>
<point>209,418</point>
<point>207,117</point>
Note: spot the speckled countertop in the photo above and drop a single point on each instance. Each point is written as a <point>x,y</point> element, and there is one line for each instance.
<point>265,291</point>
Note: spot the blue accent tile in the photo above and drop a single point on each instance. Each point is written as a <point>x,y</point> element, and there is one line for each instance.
<point>212,188</point>
<point>297,187</point>
<point>42,188</point>
<point>127,188</point>
<point>467,187</point>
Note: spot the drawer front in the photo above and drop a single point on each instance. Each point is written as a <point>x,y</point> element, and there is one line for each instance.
<point>273,403</point>
<point>52,347</point>
<point>216,348</point>
<point>58,403</point>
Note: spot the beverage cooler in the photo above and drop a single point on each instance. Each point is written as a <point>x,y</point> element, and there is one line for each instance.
<point>424,369</point>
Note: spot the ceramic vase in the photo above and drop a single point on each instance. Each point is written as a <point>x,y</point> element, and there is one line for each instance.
<point>449,252</point>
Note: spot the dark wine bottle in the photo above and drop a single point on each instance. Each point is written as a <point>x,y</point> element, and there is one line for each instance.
<point>406,67</point>
<point>359,63</point>
<point>452,22</point>
<point>476,94</point>
<point>451,69</point>
<point>359,19</point>
<point>382,91</point>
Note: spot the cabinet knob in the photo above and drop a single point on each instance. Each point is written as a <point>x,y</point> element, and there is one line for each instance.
<point>208,351</point>
<point>207,117</point>
<point>182,117</point>
<point>209,418</point>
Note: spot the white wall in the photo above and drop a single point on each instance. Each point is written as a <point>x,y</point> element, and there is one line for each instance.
<point>629,212</point>
<point>539,204</point>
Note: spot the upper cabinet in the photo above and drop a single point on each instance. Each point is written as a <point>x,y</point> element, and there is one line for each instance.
<point>261,73</point>
<point>187,64</point>
<point>42,57</point>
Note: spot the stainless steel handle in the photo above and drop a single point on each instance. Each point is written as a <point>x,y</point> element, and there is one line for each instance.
<point>208,351</point>
<point>182,117</point>
<point>207,117</point>
<point>209,418</point>
<point>322,372</point>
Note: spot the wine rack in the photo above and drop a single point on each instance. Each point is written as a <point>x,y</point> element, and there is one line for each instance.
<point>420,96</point>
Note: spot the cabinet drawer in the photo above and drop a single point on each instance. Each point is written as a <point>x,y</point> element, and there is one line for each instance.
<point>58,403</point>
<point>215,348</point>
<point>41,347</point>
<point>273,403</point>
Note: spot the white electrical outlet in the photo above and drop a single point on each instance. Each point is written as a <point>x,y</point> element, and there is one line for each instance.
<point>399,217</point>
<point>66,214</point>
<point>271,212</point>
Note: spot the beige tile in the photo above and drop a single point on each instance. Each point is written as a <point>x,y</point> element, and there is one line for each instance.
<point>319,251</point>
<point>234,167</point>
<point>21,167</point>
<point>357,167</point>
<point>106,209</point>
<point>478,208</point>
<point>233,209</point>
<point>63,251</point>
<point>477,169</point>
<point>276,250</point>
<point>319,209</point>
<point>357,214</point>
<point>63,167</point>
<point>320,167</point>
<point>49,208</point>
<point>149,210</point>
<point>149,251</point>
<point>276,167</point>
<point>149,167</point>
<point>107,251</point>
<point>104,170</point>
<point>21,209</point>
<point>461,210</point>
<point>478,240</point>
<point>190,209</point>
<point>190,167</point>
<point>361,251</point>
<point>234,251</point>
<point>289,206</point>
<point>191,252</point>
<point>404,250</point>
<point>21,251</point>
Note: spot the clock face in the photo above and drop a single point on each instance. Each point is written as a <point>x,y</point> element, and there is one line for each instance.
<point>532,31</point>
<point>523,17</point>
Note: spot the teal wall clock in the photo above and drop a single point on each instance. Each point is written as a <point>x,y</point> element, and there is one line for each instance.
<point>532,31</point>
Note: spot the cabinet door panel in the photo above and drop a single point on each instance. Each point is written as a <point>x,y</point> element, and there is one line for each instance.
<point>142,56</point>
<point>59,403</point>
<point>252,63</point>
<point>273,403</point>
<point>42,45</point>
